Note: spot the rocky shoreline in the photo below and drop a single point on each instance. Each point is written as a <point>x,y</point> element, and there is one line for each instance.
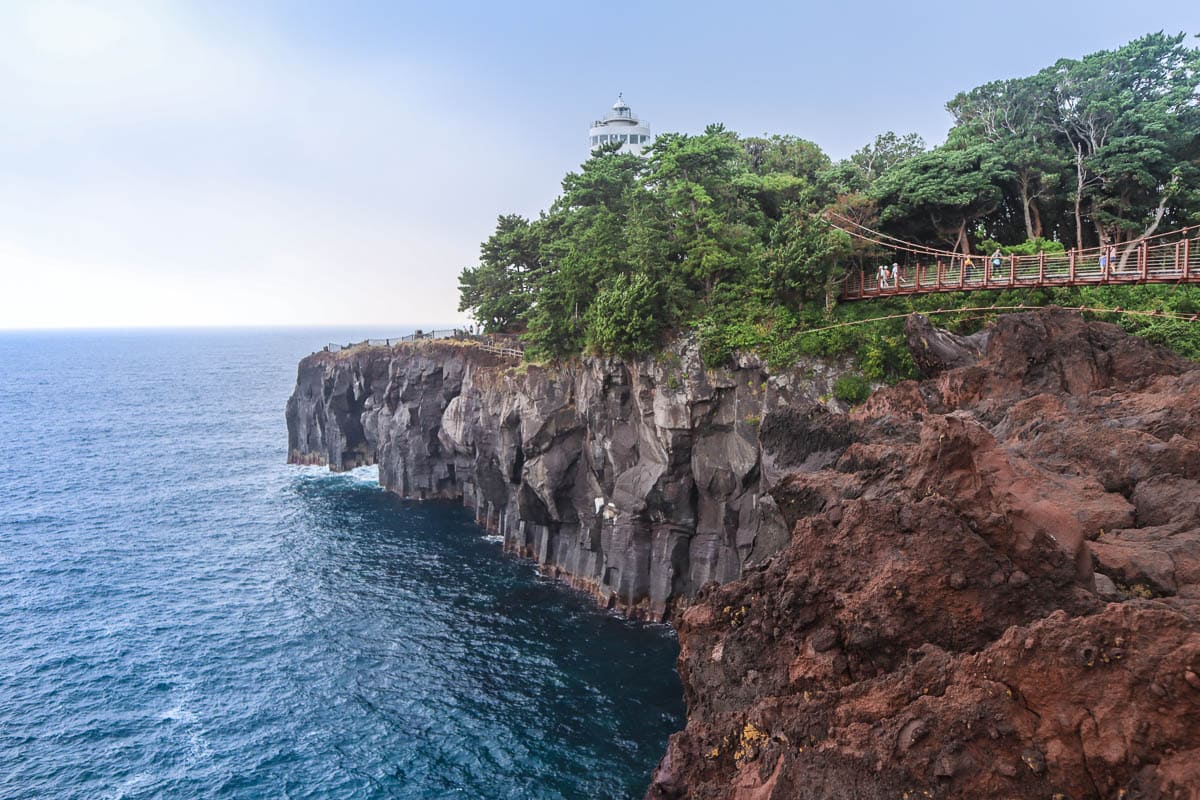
<point>982,584</point>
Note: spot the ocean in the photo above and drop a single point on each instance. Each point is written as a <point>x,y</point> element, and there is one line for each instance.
<point>183,615</point>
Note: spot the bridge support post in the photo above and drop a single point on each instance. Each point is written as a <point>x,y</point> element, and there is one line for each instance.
<point>1144,258</point>
<point>1012,270</point>
<point>1186,256</point>
<point>1042,267</point>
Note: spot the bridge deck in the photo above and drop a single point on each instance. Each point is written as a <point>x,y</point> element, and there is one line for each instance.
<point>1162,262</point>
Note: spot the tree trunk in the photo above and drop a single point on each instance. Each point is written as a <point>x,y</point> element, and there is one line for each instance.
<point>1150,229</point>
<point>1158,217</point>
<point>1037,220</point>
<point>1026,202</point>
<point>1078,197</point>
<point>961,240</point>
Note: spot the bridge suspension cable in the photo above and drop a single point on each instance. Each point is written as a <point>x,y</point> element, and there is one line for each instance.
<point>839,221</point>
<point>878,238</point>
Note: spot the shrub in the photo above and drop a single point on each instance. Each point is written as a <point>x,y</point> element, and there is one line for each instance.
<point>852,389</point>
<point>622,318</point>
<point>1029,247</point>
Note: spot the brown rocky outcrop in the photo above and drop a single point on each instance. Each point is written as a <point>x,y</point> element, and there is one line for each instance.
<point>991,587</point>
<point>639,481</point>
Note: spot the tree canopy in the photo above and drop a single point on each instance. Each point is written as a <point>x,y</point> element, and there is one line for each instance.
<point>726,234</point>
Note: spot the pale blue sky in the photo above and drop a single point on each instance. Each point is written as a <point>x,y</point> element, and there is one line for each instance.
<point>228,163</point>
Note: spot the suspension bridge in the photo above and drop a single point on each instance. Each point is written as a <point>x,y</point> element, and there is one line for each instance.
<point>1172,258</point>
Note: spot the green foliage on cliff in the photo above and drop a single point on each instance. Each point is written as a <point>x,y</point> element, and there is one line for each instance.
<point>853,389</point>
<point>623,318</point>
<point>723,234</point>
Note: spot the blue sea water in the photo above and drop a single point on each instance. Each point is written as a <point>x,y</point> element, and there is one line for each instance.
<point>182,615</point>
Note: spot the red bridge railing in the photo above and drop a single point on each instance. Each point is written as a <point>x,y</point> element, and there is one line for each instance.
<point>1133,263</point>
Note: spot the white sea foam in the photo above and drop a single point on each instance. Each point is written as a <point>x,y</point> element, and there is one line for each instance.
<point>197,747</point>
<point>190,730</point>
<point>367,475</point>
<point>314,470</point>
<point>178,714</point>
<point>364,474</point>
<point>133,785</point>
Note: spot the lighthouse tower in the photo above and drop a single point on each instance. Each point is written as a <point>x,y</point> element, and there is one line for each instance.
<point>620,125</point>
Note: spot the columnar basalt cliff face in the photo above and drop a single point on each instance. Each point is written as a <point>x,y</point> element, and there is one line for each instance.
<point>991,587</point>
<point>638,481</point>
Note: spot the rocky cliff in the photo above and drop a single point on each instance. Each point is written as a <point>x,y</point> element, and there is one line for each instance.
<point>991,587</point>
<point>982,584</point>
<point>638,481</point>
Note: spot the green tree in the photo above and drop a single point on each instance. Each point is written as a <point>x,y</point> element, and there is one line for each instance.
<point>805,259</point>
<point>624,318</point>
<point>1129,119</point>
<point>694,176</point>
<point>500,289</point>
<point>943,192</point>
<point>859,172</point>
<point>785,155</point>
<point>887,151</point>
<point>1011,115</point>
<point>586,243</point>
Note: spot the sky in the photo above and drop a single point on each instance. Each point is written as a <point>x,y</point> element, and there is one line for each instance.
<point>168,163</point>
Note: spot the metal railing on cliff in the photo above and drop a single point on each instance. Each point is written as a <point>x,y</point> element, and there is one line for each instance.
<point>504,346</point>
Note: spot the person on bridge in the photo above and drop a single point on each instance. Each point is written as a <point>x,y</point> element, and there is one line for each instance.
<point>882,274</point>
<point>895,274</point>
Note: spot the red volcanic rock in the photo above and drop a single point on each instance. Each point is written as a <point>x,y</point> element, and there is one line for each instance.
<point>991,589</point>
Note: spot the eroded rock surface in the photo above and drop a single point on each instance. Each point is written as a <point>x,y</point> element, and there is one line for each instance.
<point>991,587</point>
<point>638,481</point>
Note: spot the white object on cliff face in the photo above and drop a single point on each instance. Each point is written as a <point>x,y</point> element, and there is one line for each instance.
<point>620,125</point>
<point>599,504</point>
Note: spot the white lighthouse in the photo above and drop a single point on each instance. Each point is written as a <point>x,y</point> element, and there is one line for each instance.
<point>620,125</point>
